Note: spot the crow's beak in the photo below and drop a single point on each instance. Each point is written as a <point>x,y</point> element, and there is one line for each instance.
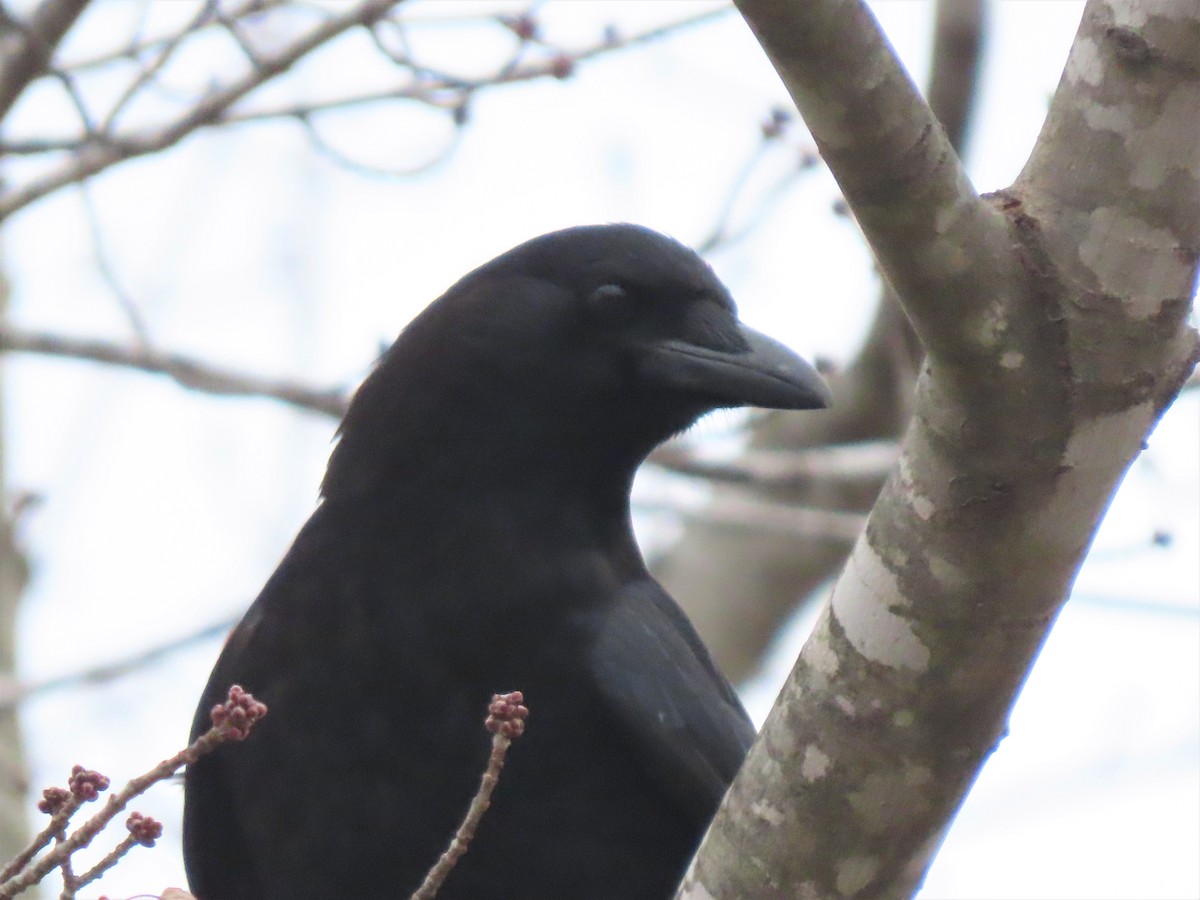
<point>766,374</point>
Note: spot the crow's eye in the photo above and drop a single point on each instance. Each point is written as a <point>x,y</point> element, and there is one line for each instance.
<point>612,304</point>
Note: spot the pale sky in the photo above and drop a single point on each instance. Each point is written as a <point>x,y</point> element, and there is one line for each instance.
<point>165,509</point>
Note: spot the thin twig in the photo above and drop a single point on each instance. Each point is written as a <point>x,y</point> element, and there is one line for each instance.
<point>14,694</point>
<point>774,134</point>
<point>466,831</point>
<point>233,29</point>
<point>447,91</point>
<point>506,721</point>
<point>110,859</point>
<point>66,868</point>
<point>186,371</point>
<point>867,460</point>
<point>232,721</point>
<point>76,97</point>
<point>108,272</point>
<point>749,512</point>
<point>138,46</point>
<point>58,822</point>
<point>94,152</point>
<point>338,158</point>
<point>167,50</point>
<point>208,110</point>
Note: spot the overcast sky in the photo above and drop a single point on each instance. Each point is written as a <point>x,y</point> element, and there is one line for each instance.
<point>164,509</point>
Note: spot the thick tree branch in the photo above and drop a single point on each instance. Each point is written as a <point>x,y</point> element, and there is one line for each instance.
<point>770,573</point>
<point>893,161</point>
<point>905,686</point>
<point>957,57</point>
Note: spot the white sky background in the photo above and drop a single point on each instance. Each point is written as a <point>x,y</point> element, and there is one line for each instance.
<point>164,509</point>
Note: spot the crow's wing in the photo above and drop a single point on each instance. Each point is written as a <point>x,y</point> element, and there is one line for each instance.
<point>682,717</point>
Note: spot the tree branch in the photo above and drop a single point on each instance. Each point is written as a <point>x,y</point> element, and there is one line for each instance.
<point>26,49</point>
<point>506,720</point>
<point>893,161</point>
<point>97,157</point>
<point>1028,414</point>
<point>98,148</point>
<point>138,46</point>
<point>184,370</point>
<point>231,721</point>
<point>957,58</point>
<point>772,572</point>
<point>758,516</point>
<point>14,694</point>
<point>866,461</point>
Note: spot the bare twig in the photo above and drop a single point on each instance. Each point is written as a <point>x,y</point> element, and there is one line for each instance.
<point>506,721</point>
<point>26,48</point>
<point>34,146</point>
<point>186,371</point>
<point>76,97</point>
<point>94,157</point>
<point>68,870</point>
<point>108,272</point>
<point>98,148</point>
<point>723,232</point>
<point>60,803</point>
<point>143,830</point>
<point>138,46</point>
<point>232,721</point>
<point>109,860</point>
<point>448,91</point>
<point>234,30</point>
<point>340,159</point>
<point>58,822</point>
<point>754,514</point>
<point>167,50</point>
<point>867,460</point>
<point>12,695</point>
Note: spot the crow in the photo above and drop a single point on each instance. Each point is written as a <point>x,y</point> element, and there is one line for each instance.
<point>473,536</point>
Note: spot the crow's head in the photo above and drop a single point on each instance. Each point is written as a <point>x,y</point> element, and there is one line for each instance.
<point>589,345</point>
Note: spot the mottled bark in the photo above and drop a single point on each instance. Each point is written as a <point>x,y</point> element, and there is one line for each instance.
<point>739,584</point>
<point>1055,317</point>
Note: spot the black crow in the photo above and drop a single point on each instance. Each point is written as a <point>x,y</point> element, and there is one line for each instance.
<point>473,536</point>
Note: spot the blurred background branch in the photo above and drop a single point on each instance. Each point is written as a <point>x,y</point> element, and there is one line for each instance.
<point>123,129</point>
